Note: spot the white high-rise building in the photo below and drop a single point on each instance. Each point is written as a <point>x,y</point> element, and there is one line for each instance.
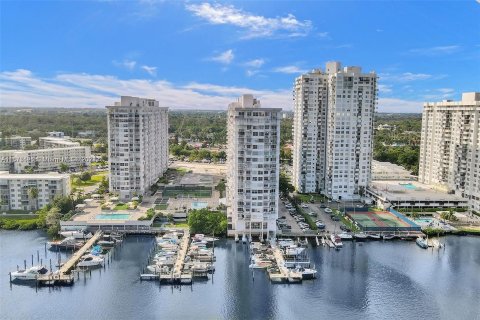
<point>253,165</point>
<point>450,147</point>
<point>137,145</point>
<point>333,131</point>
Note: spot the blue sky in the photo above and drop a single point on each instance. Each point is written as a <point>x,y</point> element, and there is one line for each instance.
<point>201,55</point>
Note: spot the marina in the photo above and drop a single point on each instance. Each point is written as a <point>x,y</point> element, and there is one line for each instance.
<point>382,272</point>
<point>178,258</point>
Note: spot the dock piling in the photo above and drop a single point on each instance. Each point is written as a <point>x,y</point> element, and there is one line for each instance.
<point>32,260</point>
<point>25,264</point>
<point>38,255</point>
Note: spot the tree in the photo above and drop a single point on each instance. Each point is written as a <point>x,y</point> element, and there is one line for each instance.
<point>208,222</point>
<point>64,167</point>
<point>85,176</point>
<point>33,194</point>
<point>221,187</point>
<point>284,184</point>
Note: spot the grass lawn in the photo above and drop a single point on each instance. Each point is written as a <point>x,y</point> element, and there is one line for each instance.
<point>182,225</point>
<point>161,206</point>
<point>305,197</point>
<point>96,178</point>
<point>475,230</point>
<point>20,217</point>
<point>121,206</point>
<point>16,211</point>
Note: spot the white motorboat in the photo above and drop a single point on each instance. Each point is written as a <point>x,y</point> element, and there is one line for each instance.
<point>294,277</point>
<point>294,250</point>
<point>76,234</point>
<point>307,273</point>
<point>29,274</point>
<point>106,243</point>
<point>422,243</point>
<point>244,239</point>
<point>345,236</point>
<point>336,240</point>
<point>374,236</point>
<point>90,260</point>
<point>67,243</point>
<point>361,236</point>
<point>286,243</point>
<point>388,236</point>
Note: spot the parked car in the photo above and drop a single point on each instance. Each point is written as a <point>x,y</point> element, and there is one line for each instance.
<point>312,201</point>
<point>322,205</point>
<point>320,226</point>
<point>328,210</point>
<point>312,214</point>
<point>304,206</point>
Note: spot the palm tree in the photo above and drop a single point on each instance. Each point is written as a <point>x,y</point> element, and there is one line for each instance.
<point>33,194</point>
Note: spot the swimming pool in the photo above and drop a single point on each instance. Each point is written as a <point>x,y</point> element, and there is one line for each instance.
<point>199,205</point>
<point>424,220</point>
<point>112,216</point>
<point>408,186</point>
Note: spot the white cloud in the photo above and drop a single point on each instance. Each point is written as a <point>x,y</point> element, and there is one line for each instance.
<point>409,76</point>
<point>251,73</point>
<point>127,64</point>
<point>434,51</point>
<point>255,26</point>
<point>395,105</point>
<point>384,88</point>
<point>289,69</point>
<point>255,63</point>
<point>224,57</point>
<point>22,88</point>
<point>439,94</point>
<point>150,70</point>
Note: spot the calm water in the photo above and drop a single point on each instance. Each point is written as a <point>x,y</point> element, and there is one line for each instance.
<point>374,281</point>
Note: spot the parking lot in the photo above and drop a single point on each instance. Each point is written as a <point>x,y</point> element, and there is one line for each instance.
<point>318,208</point>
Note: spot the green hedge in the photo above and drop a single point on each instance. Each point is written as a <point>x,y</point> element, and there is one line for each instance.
<point>19,224</point>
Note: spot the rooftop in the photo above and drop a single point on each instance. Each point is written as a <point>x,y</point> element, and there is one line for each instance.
<point>395,190</point>
<point>39,176</point>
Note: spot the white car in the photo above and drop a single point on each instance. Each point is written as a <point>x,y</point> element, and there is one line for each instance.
<point>312,214</point>
<point>328,210</point>
<point>304,206</point>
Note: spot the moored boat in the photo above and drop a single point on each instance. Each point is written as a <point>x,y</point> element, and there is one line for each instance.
<point>422,243</point>
<point>90,260</point>
<point>388,236</point>
<point>337,242</point>
<point>360,236</point>
<point>307,273</point>
<point>374,236</point>
<point>67,243</point>
<point>345,236</point>
<point>29,274</point>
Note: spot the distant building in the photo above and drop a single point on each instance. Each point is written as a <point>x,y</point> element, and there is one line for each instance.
<point>253,135</point>
<point>86,133</point>
<point>55,142</point>
<point>56,134</point>
<point>16,194</point>
<point>333,131</point>
<point>389,171</point>
<point>386,126</point>
<point>450,146</point>
<point>137,145</point>
<point>43,160</point>
<point>17,142</point>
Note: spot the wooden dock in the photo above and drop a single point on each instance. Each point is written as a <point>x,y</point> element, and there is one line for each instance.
<point>178,267</point>
<point>63,275</point>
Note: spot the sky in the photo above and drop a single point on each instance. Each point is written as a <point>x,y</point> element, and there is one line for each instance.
<point>204,54</point>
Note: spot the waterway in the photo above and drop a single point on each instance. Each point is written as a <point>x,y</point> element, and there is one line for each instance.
<point>395,280</point>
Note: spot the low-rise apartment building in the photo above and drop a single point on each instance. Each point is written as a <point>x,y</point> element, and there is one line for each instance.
<point>31,191</point>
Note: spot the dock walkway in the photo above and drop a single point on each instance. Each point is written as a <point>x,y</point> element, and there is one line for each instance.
<point>62,275</point>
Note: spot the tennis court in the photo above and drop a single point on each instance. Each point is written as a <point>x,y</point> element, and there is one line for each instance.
<point>381,220</point>
<point>187,192</point>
